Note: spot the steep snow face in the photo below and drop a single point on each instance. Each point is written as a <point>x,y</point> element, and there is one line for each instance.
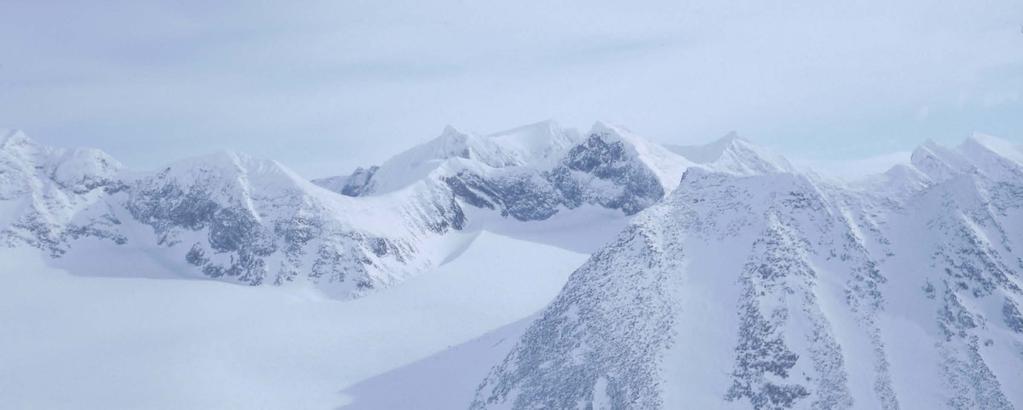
<point>42,188</point>
<point>776,290</point>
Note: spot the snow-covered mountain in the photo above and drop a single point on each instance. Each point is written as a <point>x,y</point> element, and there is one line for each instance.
<point>737,282</point>
<point>531,172</point>
<point>754,286</point>
<point>224,216</point>
<point>230,217</point>
<point>42,189</point>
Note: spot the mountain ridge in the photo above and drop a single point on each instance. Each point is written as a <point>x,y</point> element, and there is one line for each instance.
<point>819,295</point>
<point>228,216</point>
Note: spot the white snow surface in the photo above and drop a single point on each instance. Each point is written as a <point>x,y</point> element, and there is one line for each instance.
<point>72,342</point>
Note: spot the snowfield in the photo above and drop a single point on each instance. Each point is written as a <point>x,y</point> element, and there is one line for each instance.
<point>72,342</point>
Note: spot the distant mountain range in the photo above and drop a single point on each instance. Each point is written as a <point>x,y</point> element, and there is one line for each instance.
<point>739,281</point>
<point>231,217</point>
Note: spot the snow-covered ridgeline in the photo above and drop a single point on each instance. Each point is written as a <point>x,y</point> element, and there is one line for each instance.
<point>231,217</point>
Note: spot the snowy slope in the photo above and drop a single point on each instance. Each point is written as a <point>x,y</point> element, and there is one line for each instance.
<point>442,381</point>
<point>771,289</point>
<point>72,342</point>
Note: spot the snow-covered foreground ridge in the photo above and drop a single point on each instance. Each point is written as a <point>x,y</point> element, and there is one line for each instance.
<point>777,290</point>
<point>231,217</point>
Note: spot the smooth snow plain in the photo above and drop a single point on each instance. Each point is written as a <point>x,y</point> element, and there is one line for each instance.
<point>74,342</point>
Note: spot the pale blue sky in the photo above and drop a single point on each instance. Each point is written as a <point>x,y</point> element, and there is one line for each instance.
<point>325,86</point>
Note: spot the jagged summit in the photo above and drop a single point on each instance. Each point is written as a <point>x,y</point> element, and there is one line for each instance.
<point>732,153</point>
<point>665,164</point>
<point>981,155</point>
<point>537,145</point>
<point>27,166</point>
<point>995,145</point>
<point>233,166</point>
<point>543,146</point>
<point>13,137</point>
<point>707,153</point>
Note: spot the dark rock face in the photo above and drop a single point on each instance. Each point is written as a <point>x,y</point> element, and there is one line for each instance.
<point>597,157</point>
<point>636,185</point>
<point>594,172</point>
<point>525,197</point>
<point>169,208</point>
<point>1012,316</point>
<point>762,351</point>
<point>356,184</point>
<point>241,245</point>
<point>271,247</point>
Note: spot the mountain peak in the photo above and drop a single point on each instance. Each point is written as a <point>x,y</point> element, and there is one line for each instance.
<point>538,133</point>
<point>14,137</point>
<point>979,154</point>
<point>730,138</point>
<point>992,144</point>
<point>231,167</point>
<point>611,132</point>
<point>733,153</point>
<point>451,132</point>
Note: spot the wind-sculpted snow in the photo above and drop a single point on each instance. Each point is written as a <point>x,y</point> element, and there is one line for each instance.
<point>758,287</point>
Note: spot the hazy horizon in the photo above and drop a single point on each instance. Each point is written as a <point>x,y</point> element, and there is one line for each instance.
<point>328,87</point>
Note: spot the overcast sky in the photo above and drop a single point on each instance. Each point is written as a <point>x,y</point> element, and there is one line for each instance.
<point>325,86</point>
